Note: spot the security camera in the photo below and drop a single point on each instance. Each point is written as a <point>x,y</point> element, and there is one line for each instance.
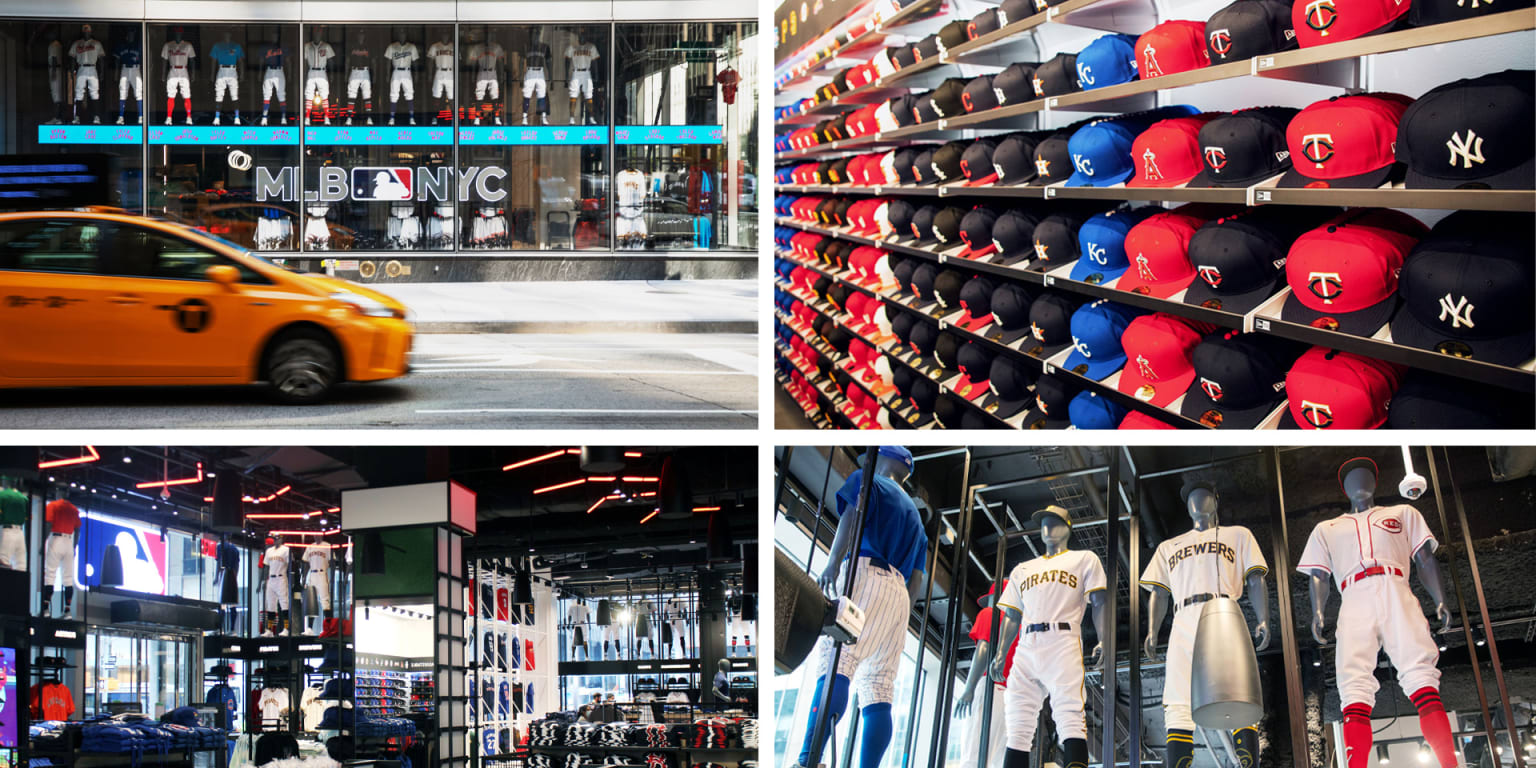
<point>1412,486</point>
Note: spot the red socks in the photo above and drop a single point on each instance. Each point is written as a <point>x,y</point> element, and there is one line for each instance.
<point>1357,734</point>
<point>1435,725</point>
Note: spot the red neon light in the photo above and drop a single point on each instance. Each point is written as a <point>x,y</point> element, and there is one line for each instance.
<point>548,488</point>
<point>535,460</point>
<point>634,479</point>
<point>169,483</point>
<point>632,454</point>
<point>283,490</point>
<point>653,513</point>
<point>646,494</point>
<point>596,504</point>
<point>602,479</point>
<point>270,516</point>
<point>90,456</point>
<point>706,509</point>
<point>304,533</point>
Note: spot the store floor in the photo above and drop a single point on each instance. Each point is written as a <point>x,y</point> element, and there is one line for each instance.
<point>615,306</point>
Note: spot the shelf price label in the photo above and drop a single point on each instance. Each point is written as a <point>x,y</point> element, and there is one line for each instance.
<point>1049,279</point>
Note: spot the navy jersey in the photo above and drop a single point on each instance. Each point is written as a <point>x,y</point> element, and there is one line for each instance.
<point>893,531</point>
<point>128,56</point>
<point>272,56</point>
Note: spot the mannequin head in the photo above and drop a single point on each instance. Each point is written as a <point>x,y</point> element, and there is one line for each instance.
<point>176,32</point>
<point>318,34</point>
<point>989,599</point>
<point>1357,477</point>
<point>1055,526</point>
<point>723,666</point>
<point>894,462</point>
<point>85,31</point>
<point>400,35</point>
<point>229,36</point>
<point>1200,501</point>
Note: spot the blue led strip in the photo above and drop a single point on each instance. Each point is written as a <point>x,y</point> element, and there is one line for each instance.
<point>669,134</point>
<point>219,136</point>
<point>90,134</point>
<point>378,135</point>
<point>540,134</point>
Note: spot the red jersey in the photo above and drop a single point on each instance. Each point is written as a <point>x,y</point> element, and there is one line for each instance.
<point>728,80</point>
<point>63,517</point>
<point>983,631</point>
<point>52,701</point>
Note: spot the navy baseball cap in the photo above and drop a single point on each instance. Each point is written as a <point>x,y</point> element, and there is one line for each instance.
<point>1015,84</point>
<point>925,392</point>
<point>946,162</point>
<point>976,162</point>
<point>952,34</point>
<point>899,214</point>
<point>1011,380</point>
<point>1089,411</point>
<point>1050,323</point>
<point>976,232</point>
<point>901,109</point>
<point>902,56</point>
<point>922,223</point>
<point>1011,11</point>
<point>1014,159</point>
<point>1096,332</point>
<point>1436,401</point>
<point>984,23</point>
<point>975,366</point>
<point>1013,235</point>
<point>1010,304</point>
<point>1109,60</point>
<point>1053,398</point>
<point>901,327</point>
<point>1239,260</point>
<point>1423,13</point>
<point>1057,76</point>
<point>922,167</point>
<point>949,411</point>
<point>923,278</point>
<point>924,336</point>
<point>1485,122</point>
<point>1101,243</point>
<point>1239,379</point>
<point>978,95</point>
<point>903,161</point>
<point>976,300</point>
<point>1249,28</point>
<point>1055,239</point>
<point>922,109</point>
<point>1245,147</point>
<point>949,98</point>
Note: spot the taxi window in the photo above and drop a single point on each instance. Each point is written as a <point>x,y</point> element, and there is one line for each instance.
<point>49,245</point>
<point>139,252</point>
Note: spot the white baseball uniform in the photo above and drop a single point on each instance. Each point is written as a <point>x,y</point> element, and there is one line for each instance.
<point>319,576</point>
<point>1050,594</point>
<point>402,56</point>
<point>486,57</point>
<point>581,58</point>
<point>1377,611</point>
<point>871,661</point>
<point>272,703</point>
<point>177,55</point>
<point>276,592</point>
<point>1215,561</point>
<point>360,80</point>
<point>534,84</point>
<point>13,548</point>
<point>441,55</point>
<point>56,71</point>
<point>629,192</point>
<point>316,56</point>
<point>130,78</point>
<point>86,53</point>
<point>59,555</point>
<point>317,233</point>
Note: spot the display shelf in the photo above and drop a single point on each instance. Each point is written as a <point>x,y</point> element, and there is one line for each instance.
<point>872,93</point>
<point>899,135</point>
<point>887,401</point>
<point>1441,199</point>
<point>878,30</point>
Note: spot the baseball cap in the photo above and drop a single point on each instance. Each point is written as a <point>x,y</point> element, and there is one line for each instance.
<point>1426,12</point>
<point>1249,28</point>
<point>978,95</point>
<point>949,98</point>
<point>1057,76</point>
<point>1050,323</point>
<point>922,166</point>
<point>924,336</point>
<point>901,327</point>
<point>952,34</point>
<point>902,161</point>
<point>975,368</point>
<point>922,223</point>
<point>1055,239</point>
<point>1014,10</point>
<point>1051,511</point>
<point>1435,401</point>
<point>946,351</point>
<point>984,23</point>
<point>1172,47</point>
<point>1239,379</point>
<point>1090,411</point>
<point>946,162</point>
<point>976,300</point>
<point>923,110</point>
<point>946,288</point>
<point>1157,351</point>
<point>1096,332</point>
<point>1486,122</point>
<point>899,213</point>
<point>976,162</point>
<point>1013,234</point>
<point>1015,84</point>
<point>1053,158</point>
<point>1239,259</point>
<point>1244,148</point>
<point>1014,159</point>
<point>902,109</point>
<point>922,280</point>
<point>950,411</point>
<point>1329,389</point>
<point>1345,142</point>
<point>1108,60</point>
<point>946,225</point>
<point>1167,153</point>
<point>976,232</point>
<point>927,48</point>
<point>1158,250</point>
<point>1010,306</point>
<point>1101,150</point>
<point>925,392</point>
<point>1053,398</point>
<point>1101,241</point>
<point>1319,22</point>
<point>1139,420</point>
<point>1011,379</point>
<point>1467,289</point>
<point>902,56</point>
<point>1343,275</point>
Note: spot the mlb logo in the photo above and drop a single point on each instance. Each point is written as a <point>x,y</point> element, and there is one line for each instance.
<point>381,184</point>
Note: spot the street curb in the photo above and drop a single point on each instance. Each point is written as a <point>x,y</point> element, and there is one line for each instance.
<point>680,326</point>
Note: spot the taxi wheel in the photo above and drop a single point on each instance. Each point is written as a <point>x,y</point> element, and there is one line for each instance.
<point>302,367</point>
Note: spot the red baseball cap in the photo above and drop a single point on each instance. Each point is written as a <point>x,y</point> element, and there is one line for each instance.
<point>1139,420</point>
<point>1158,350</point>
<point>1158,250</point>
<point>1167,154</point>
<point>855,304</point>
<point>1343,274</point>
<point>1347,142</point>
<point>1329,389</point>
<point>1171,47</point>
<point>1319,22</point>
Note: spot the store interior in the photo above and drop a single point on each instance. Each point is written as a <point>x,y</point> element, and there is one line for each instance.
<point>977,504</point>
<point>221,607</point>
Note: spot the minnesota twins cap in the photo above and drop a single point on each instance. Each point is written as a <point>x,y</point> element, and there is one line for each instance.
<point>923,278</point>
<point>1158,249</point>
<point>1014,159</point>
<point>1108,60</point>
<point>1329,389</point>
<point>1467,289</point>
<point>1343,275</point>
<point>1050,512</point>
<point>1167,153</point>
<point>1013,235</point>
<point>1319,22</point>
<point>952,34</point>
<point>1239,379</point>
<point>1249,28</point>
<point>984,23</point>
<point>1485,122</point>
<point>922,223</point>
<point>946,226</point>
<point>1010,304</point>
<point>922,167</point>
<point>1011,380</point>
<point>899,212</point>
<point>1101,241</point>
<point>946,162</point>
<point>924,336</point>
<point>925,392</point>
<point>1057,76</point>
<point>949,98</point>
<point>976,300</point>
<point>975,366</point>
<point>1157,353</point>
<point>1053,398</point>
<point>1172,47</point>
<point>1090,411</point>
<point>1435,401</point>
<point>1015,84</point>
<point>927,48</point>
<point>1244,148</point>
<point>946,351</point>
<point>976,162</point>
<point>1345,142</point>
<point>1050,323</point>
<point>976,232</point>
<point>1239,260</point>
<point>946,288</point>
<point>1055,239</point>
<point>1426,12</point>
<point>978,95</point>
<point>1096,332</point>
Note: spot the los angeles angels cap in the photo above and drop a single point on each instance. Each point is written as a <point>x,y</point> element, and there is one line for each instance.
<point>1345,142</point>
<point>1011,380</point>
<point>946,288</point>
<point>1090,411</point>
<point>922,167</point>
<point>976,162</point>
<point>1239,379</point>
<point>953,34</point>
<point>1158,250</point>
<point>978,95</point>
<point>1057,76</point>
<point>1249,28</point>
<point>1055,239</point>
<point>1101,150</point>
<point>975,368</point>
<point>1239,260</point>
<point>976,232</point>
<point>1013,235</point>
<point>984,23</point>
<point>1435,401</point>
<point>1467,289</point>
<point>1096,332</point>
<point>1329,389</point>
<point>946,162</point>
<point>1053,398</point>
<point>946,226</point>
<point>1015,84</point>
<point>1343,275</point>
<point>1108,60</point>
<point>1157,352</point>
<point>976,300</point>
<point>1172,47</point>
<point>1014,159</point>
<point>922,280</point>
<point>1319,22</point>
<point>922,223</point>
<point>1167,153</point>
<point>1101,241</point>
<point>1050,323</point>
<point>1010,304</point>
<point>1244,148</point>
<point>949,98</point>
<point>1483,124</point>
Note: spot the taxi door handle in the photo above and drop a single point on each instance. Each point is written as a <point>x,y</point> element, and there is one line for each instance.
<point>261,303</point>
<point>126,300</point>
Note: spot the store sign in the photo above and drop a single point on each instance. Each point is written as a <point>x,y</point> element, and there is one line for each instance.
<point>379,136</point>
<point>203,135</point>
<point>396,183</point>
<point>668,134</point>
<point>534,135</point>
<point>90,134</point>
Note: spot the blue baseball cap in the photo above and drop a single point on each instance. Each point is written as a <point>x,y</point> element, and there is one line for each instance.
<point>899,454</point>
<point>1101,241</point>
<point>1109,60</point>
<point>1089,411</point>
<point>1101,150</point>
<point>1096,332</point>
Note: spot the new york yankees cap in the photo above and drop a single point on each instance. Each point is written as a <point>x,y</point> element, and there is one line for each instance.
<point>946,162</point>
<point>1014,159</point>
<point>975,367</point>
<point>1139,420</point>
<point>1239,378</point>
<point>1101,150</point>
<point>984,23</point>
<point>1239,260</point>
<point>946,288</point>
<point>1329,389</point>
<point>922,223</point>
<point>1013,235</point>
<point>1101,241</point>
<point>924,336</point>
<point>1158,250</point>
<point>1423,13</point>
<point>1090,411</point>
<point>1157,352</point>
<point>1050,323</point>
<point>1108,60</point>
<point>978,95</point>
<point>1467,289</point>
<point>976,232</point>
<point>976,300</point>
<point>1436,401</point>
<point>1167,153</point>
<point>1244,148</point>
<point>976,162</point>
<point>946,226</point>
<point>949,98</point>
<point>952,34</point>
<point>1053,398</point>
<point>922,166</point>
<point>1011,380</point>
<point>1057,76</point>
<point>1055,239</point>
<point>1319,22</point>
<point>1015,84</point>
<point>1345,142</point>
<point>1010,304</point>
<point>1343,274</point>
<point>1096,331</point>
<point>1172,47</point>
<point>1249,28</point>
<point>946,351</point>
<point>923,278</point>
<point>1486,124</point>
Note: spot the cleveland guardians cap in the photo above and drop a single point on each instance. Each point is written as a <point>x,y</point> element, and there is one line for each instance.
<point>1089,411</point>
<point>1483,124</point>
<point>949,98</point>
<point>1101,241</point>
<point>946,162</point>
<point>1014,159</point>
<point>976,232</point>
<point>1345,142</point>
<point>1101,150</point>
<point>978,95</point>
<point>946,226</point>
<point>1108,60</point>
<point>1467,289</point>
<point>1057,76</point>
<point>1011,380</point>
<point>984,23</point>
<point>1319,22</point>
<point>976,300</point>
<point>1329,389</point>
<point>1244,148</point>
<point>1239,379</point>
<point>1055,239</point>
<point>946,288</point>
<point>1249,28</point>
<point>1167,154</point>
<point>975,368</point>
<point>976,162</point>
<point>1053,396</point>
<point>901,109</point>
<point>1157,354</point>
<point>1050,323</point>
<point>1239,260</point>
<point>1343,275</point>
<point>953,34</point>
<point>1435,401</point>
<point>1096,332</point>
<point>1013,235</point>
<point>922,280</point>
<point>1015,84</point>
<point>1172,47</point>
<point>1158,249</point>
<point>922,167</point>
<point>1010,304</point>
<point>922,223</point>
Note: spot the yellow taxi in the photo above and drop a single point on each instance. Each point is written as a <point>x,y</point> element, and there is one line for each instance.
<point>95,297</point>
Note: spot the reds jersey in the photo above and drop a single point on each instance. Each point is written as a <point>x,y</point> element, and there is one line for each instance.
<point>178,54</point>
<point>86,52</point>
<point>1380,536</point>
<point>441,55</point>
<point>1053,588</point>
<point>318,558</point>
<point>1216,560</point>
<point>317,55</point>
<point>581,56</point>
<point>63,517</point>
<point>402,55</point>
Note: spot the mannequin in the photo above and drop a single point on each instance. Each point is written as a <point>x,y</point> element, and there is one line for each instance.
<point>318,557</point>
<point>402,55</point>
<point>317,231</point>
<point>1367,551</point>
<point>441,228</point>
<point>981,661</point>
<point>15,508</point>
<point>578,615</point>
<point>63,520</point>
<point>579,57</point>
<point>227,55</point>
<point>178,55</point>
<point>275,594</point>
<point>722,685</point>
<point>129,75</point>
<point>643,628</point>
<point>535,81</point>
<point>404,228</point>
<point>1188,570</point>
<point>56,78</point>
<point>317,85</point>
<point>360,59</point>
<point>1048,660</point>
<point>488,58</point>
<point>228,581</point>
<point>87,53</point>
<point>273,81</point>
<point>441,56</point>
<point>891,559</point>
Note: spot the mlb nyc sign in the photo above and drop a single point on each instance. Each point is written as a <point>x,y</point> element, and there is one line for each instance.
<point>392,183</point>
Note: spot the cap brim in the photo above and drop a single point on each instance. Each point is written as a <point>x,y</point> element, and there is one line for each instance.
<point>1139,183</point>
<point>974,323</point>
<point>1200,294</point>
<point>1511,350</point>
<point>1208,180</point>
<point>1086,272</point>
<point>1164,391</point>
<point>977,253</point>
<point>1084,180</point>
<point>1097,370</point>
<point>970,390</point>
<point>1132,282</point>
<point>987,179</point>
<point>1522,176</point>
<point>1199,406</point>
<point>1018,181</point>
<point>1361,322</point>
<point>1294,179</point>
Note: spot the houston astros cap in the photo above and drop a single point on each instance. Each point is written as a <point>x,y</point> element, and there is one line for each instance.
<point>1486,124</point>
<point>1096,332</point>
<point>922,280</point>
<point>976,232</point>
<point>1014,158</point>
<point>1090,411</point>
<point>1158,250</point>
<point>1172,47</point>
<point>1345,142</point>
<point>976,162</point>
<point>1249,28</point>
<point>1050,512</point>
<point>978,95</point>
<point>1050,323</point>
<point>1015,84</point>
<point>946,226</point>
<point>1343,274</point>
<point>924,336</point>
<point>1057,76</point>
<point>1244,148</point>
<point>1010,306</point>
<point>975,366</point>
<point>1013,235</point>
<point>946,162</point>
<point>984,23</point>
<point>1101,241</point>
<point>1101,150</point>
<point>1239,379</point>
<point>922,109</point>
<point>1167,153</point>
<point>922,223</point>
<point>1055,239</point>
<point>1011,380</point>
<point>922,166</point>
<point>1157,352</point>
<point>1435,401</point>
<point>953,34</point>
<point>1108,60</point>
<point>949,98</point>
<point>1053,158</point>
<point>1053,398</point>
<point>976,300</point>
<point>1319,22</point>
<point>1239,260</point>
<point>946,351</point>
<point>946,288</point>
<point>1467,289</point>
<point>1329,389</point>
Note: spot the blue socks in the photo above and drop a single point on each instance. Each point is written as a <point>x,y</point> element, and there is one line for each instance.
<point>838,704</point>
<point>876,735</point>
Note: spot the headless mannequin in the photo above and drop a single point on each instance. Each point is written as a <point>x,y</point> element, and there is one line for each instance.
<point>226,78</point>
<point>1202,506</point>
<point>403,58</point>
<point>87,53</point>
<point>129,75</point>
<point>578,68</point>
<point>317,89</point>
<point>178,77</point>
<point>536,82</point>
<point>59,564</point>
<point>273,81</point>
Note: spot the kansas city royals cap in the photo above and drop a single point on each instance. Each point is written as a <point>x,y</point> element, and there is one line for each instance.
<point>946,162</point>
<point>976,300</point>
<point>952,34</point>
<point>1053,398</point>
<point>976,162</point>
<point>978,95</point>
<point>1096,332</point>
<point>1343,275</point>
<point>976,232</point>
<point>1157,357</point>
<point>946,226</point>
<point>1014,159</point>
<point>1467,289</point>
<point>1108,60</point>
<point>924,336</point>
<point>922,167</point>
<point>1486,124</point>
<point>1090,411</point>
<point>1244,148</point>
<point>1319,22</point>
<point>946,351</point>
<point>1101,241</point>
<point>984,23</point>
<point>1329,389</point>
<point>1013,235</point>
<point>1015,84</point>
<point>1050,512</point>
<point>975,366</point>
<point>1435,401</point>
<point>1172,47</point>
<point>1167,153</point>
<point>899,213</point>
<point>1057,76</point>
<point>1239,260</point>
<point>946,288</point>
<point>922,223</point>
<point>1055,239</point>
<point>1249,28</point>
<point>1345,142</point>
<point>923,278</point>
<point>1050,323</point>
<point>1239,379</point>
<point>1012,381</point>
<point>949,98</point>
<point>1158,250</point>
<point>1010,304</point>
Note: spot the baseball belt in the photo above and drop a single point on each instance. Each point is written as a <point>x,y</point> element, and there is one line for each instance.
<point>1046,627</point>
<point>1369,572</point>
<point>1203,597</point>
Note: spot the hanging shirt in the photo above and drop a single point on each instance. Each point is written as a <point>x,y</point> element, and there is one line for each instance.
<point>313,708</point>
<point>224,699</point>
<point>629,188</point>
<point>582,55</point>
<point>441,55</point>
<point>226,54</point>
<point>178,53</point>
<point>63,517</point>
<point>273,703</point>
<point>317,55</point>
<point>86,52</point>
<point>578,613</point>
<point>402,55</point>
<point>728,80</point>
<point>128,56</point>
<point>13,507</point>
<point>272,56</point>
<point>52,701</point>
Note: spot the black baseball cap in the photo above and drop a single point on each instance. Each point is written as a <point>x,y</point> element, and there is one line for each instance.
<point>838,295</point>
<point>1016,10</point>
<point>1013,235</point>
<point>1423,13</point>
<point>902,377</point>
<point>975,366</point>
<point>976,231</point>
<point>949,411</point>
<point>899,214</point>
<point>1011,379</point>
<point>922,167</point>
<point>978,96</point>
<point>948,99</point>
<point>1053,160</point>
<point>838,172</point>
<point>1059,75</point>
<point>1436,401</point>
<point>1485,122</point>
<point>902,56</point>
<point>901,326</point>
<point>838,338</point>
<point>946,351</point>
<point>976,162</point>
<point>946,162</point>
<point>946,226</point>
<point>1052,394</point>
<point>1050,323</point>
<point>1239,378</point>
<point>1015,84</point>
<point>922,223</point>
<point>946,288</point>
<point>1249,28</point>
<point>902,269</point>
<point>976,299</point>
<point>984,23</point>
<point>925,393</point>
<point>840,211</point>
<point>1244,148</point>
<point>822,286</point>
<point>922,280</point>
<point>953,34</point>
<point>1010,303</point>
<point>1239,260</point>
<point>903,161</point>
<point>927,48</point>
<point>1468,289</point>
<point>1055,239</point>
<point>924,336</point>
<point>901,109</point>
<point>1014,159</point>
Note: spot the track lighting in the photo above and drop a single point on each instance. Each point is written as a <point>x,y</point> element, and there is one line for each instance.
<point>1423,752</point>
<point>1381,755</point>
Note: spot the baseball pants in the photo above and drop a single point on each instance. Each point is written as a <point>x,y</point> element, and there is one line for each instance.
<point>442,84</point>
<point>534,85</point>
<point>317,234</point>
<point>581,83</point>
<point>275,83</point>
<point>996,735</point>
<point>359,82</point>
<point>400,86</point>
<point>871,661</point>
<point>59,555</point>
<point>85,78</point>
<point>277,593</point>
<point>410,232</point>
<point>1048,663</point>
<point>13,548</point>
<point>321,581</point>
<point>487,83</point>
<point>629,222</point>
<point>1383,614</point>
<point>56,86</point>
<point>226,82</point>
<point>177,83</point>
<point>316,85</point>
<point>130,78</point>
<point>1176,675</point>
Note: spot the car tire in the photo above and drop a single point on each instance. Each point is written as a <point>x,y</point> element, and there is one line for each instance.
<point>302,367</point>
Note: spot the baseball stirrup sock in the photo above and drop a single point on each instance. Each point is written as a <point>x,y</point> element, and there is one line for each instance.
<point>1013,758</point>
<point>1074,753</point>
<point>1246,742</point>
<point>1181,748</point>
<point>1357,734</point>
<point>1435,725</point>
<point>837,703</point>
<point>876,736</point>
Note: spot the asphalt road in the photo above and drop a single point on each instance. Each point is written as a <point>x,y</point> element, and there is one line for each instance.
<point>461,381</point>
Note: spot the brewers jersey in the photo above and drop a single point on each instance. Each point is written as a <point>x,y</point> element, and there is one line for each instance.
<point>1216,561</point>
<point>1053,588</point>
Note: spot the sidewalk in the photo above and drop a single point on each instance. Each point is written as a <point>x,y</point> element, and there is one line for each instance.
<point>615,306</point>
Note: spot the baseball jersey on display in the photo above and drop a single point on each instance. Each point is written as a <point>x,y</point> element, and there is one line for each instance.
<point>581,56</point>
<point>359,57</point>
<point>1190,563</point>
<point>402,55</point>
<point>55,54</point>
<point>1053,588</point>
<point>86,52</point>
<point>272,56</point>
<point>318,558</point>
<point>538,56</point>
<point>226,54</point>
<point>178,53</point>
<point>223,697</point>
<point>441,55</point>
<point>893,531</point>
<point>486,57</point>
<point>630,188</point>
<point>273,703</point>
<point>13,507</point>
<point>728,80</point>
<point>317,55</point>
<point>1385,537</point>
<point>128,56</point>
<point>276,560</point>
<point>52,701</point>
<point>578,613</point>
<point>63,517</point>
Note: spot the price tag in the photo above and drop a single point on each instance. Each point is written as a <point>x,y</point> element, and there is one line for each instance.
<point>943,124</point>
<point>877,191</point>
<point>1261,195</point>
<point>943,191</point>
<point>1261,324</point>
<point>1049,369</point>
<point>943,258</point>
<point>1049,279</point>
<point>1051,102</point>
<point>1050,192</point>
<point>1265,62</point>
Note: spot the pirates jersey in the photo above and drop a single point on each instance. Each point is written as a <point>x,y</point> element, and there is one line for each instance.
<point>402,55</point>
<point>359,57</point>
<point>1053,588</point>
<point>441,55</point>
<point>86,52</point>
<point>1378,537</point>
<point>581,56</point>
<point>272,703</point>
<point>317,55</point>
<point>276,560</point>
<point>1214,561</point>
<point>178,54</point>
<point>318,558</point>
<point>629,188</point>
